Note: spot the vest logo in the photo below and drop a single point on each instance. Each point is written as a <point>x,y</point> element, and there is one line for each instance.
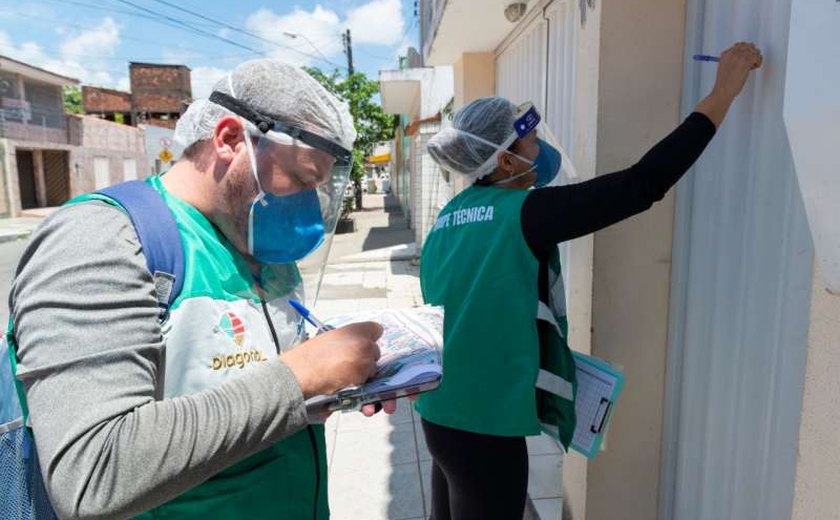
<point>232,326</point>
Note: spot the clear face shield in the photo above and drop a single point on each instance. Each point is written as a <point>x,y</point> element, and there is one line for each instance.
<point>301,178</point>
<point>537,147</point>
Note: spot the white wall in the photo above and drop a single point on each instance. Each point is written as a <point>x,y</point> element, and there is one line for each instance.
<point>812,117</point>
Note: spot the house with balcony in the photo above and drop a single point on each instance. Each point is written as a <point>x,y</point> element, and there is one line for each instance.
<point>419,96</point>
<point>719,304</point>
<point>48,156</point>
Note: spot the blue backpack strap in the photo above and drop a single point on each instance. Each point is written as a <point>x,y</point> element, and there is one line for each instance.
<point>159,237</point>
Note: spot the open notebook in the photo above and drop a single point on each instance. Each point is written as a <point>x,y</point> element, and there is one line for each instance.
<point>411,347</point>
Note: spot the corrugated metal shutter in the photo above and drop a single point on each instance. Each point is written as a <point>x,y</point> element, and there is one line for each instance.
<point>56,177</point>
<point>521,67</point>
<point>741,290</point>
<point>560,102</point>
<point>539,66</point>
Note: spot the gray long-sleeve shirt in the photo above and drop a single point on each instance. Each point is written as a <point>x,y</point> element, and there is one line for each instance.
<point>91,357</point>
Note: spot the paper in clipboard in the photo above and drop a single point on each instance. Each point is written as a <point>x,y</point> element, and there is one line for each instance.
<point>598,386</point>
<point>411,359</point>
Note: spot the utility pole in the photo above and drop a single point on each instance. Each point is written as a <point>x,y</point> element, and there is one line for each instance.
<point>348,49</point>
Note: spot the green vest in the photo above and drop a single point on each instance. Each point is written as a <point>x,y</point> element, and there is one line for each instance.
<point>507,369</point>
<point>216,331</point>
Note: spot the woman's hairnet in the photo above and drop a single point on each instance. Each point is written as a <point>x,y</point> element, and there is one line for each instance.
<point>278,90</point>
<point>466,146</point>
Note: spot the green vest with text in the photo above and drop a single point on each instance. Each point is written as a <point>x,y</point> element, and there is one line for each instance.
<point>507,369</point>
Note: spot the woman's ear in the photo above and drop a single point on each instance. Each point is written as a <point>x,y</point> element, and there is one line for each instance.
<point>229,133</point>
<point>506,162</point>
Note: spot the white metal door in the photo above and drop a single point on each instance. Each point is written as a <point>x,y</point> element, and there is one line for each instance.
<point>538,65</point>
<point>101,172</point>
<point>741,290</point>
<point>129,169</point>
<point>521,66</point>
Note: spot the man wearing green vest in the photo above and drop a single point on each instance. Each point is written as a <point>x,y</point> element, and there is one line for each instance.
<point>201,415</point>
<point>491,260</point>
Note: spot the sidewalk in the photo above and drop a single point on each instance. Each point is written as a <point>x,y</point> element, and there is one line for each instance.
<point>17,228</point>
<point>379,468</point>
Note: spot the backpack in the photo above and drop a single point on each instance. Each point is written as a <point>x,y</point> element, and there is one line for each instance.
<point>24,495</point>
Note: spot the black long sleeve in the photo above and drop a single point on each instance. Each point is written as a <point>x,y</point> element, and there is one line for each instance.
<point>556,214</point>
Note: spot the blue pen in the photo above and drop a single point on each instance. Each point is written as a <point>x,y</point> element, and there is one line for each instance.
<point>706,57</point>
<point>308,316</point>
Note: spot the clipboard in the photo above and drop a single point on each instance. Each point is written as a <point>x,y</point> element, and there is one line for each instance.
<point>598,388</point>
<point>411,360</point>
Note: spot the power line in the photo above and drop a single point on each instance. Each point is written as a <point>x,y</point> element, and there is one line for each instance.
<point>104,57</point>
<point>122,37</point>
<point>110,10</point>
<point>190,27</point>
<point>241,31</point>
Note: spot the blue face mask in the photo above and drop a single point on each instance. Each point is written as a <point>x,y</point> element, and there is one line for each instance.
<point>547,164</point>
<point>284,229</point>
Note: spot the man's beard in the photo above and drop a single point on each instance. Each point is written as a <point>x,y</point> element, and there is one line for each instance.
<point>239,189</point>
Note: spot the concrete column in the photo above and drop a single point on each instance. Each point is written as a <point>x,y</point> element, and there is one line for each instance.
<point>5,182</point>
<point>475,77</point>
<point>818,463</point>
<point>639,97</point>
<point>40,178</point>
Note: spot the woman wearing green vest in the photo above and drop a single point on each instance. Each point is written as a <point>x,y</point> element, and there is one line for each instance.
<point>491,260</point>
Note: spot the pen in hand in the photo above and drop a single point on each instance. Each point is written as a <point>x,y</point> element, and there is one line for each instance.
<point>706,57</point>
<point>308,316</point>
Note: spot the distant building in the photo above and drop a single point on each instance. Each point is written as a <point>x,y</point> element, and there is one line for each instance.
<point>47,156</point>
<point>159,95</point>
<point>108,104</point>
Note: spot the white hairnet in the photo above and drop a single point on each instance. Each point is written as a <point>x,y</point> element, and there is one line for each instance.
<point>278,90</point>
<point>480,131</point>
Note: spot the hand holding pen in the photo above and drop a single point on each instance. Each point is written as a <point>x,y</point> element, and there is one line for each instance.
<point>307,315</point>
<point>368,410</point>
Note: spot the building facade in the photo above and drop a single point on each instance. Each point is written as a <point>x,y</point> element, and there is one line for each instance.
<point>48,156</point>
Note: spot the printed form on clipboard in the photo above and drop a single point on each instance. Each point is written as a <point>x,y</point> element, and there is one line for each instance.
<point>598,386</point>
<point>410,362</point>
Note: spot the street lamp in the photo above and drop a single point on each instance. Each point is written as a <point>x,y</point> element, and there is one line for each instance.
<point>295,36</point>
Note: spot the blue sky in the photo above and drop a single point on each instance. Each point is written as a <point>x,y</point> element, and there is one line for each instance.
<point>93,40</point>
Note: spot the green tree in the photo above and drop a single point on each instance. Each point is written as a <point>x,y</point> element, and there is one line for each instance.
<point>73,100</point>
<point>372,124</point>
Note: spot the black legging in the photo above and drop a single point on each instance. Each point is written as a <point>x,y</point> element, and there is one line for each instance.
<point>475,476</point>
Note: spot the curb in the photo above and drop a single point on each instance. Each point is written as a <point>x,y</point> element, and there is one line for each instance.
<point>11,237</point>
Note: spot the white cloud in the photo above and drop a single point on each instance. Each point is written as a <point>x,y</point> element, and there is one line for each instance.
<point>203,79</point>
<point>124,84</point>
<point>378,22</point>
<point>100,40</point>
<point>320,26</point>
<point>80,54</point>
<point>178,56</point>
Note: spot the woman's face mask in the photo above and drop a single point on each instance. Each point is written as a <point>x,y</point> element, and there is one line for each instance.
<point>546,165</point>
